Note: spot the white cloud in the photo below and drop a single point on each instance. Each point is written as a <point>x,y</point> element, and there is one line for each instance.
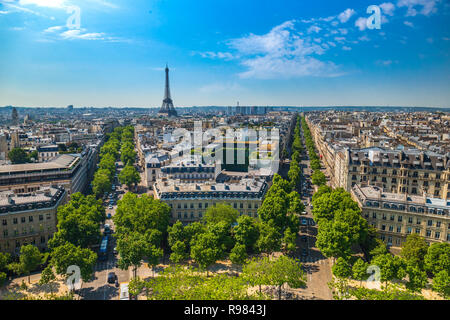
<point>424,7</point>
<point>281,53</point>
<point>343,31</point>
<point>346,48</point>
<point>53,29</point>
<point>315,29</point>
<point>346,15</point>
<point>388,8</point>
<point>409,24</point>
<point>44,3</point>
<point>364,38</point>
<point>4,12</point>
<point>361,23</point>
<point>77,34</point>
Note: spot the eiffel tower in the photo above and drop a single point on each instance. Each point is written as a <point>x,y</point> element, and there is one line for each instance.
<point>167,107</point>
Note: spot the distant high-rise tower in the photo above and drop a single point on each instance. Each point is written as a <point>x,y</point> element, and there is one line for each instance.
<point>167,107</point>
<point>14,116</point>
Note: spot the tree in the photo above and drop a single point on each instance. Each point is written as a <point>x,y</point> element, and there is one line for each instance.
<point>102,182</point>
<point>4,260</point>
<point>379,248</point>
<point>437,258</point>
<point>30,258</point>
<point>246,232</point>
<point>318,178</point>
<point>285,270</point>
<point>179,252</point>
<point>67,255</point>
<point>342,268</point>
<point>414,250</point>
<point>238,254</point>
<point>205,250</point>
<point>359,270</point>
<point>334,239</point>
<point>289,243</point>
<point>129,176</point>
<point>417,278</point>
<point>133,247</point>
<point>390,267</point>
<point>221,212</point>
<point>141,214</point>
<point>135,286</point>
<point>18,156</point>
<point>269,238</point>
<point>441,284</point>
<point>223,232</point>
<point>47,277</point>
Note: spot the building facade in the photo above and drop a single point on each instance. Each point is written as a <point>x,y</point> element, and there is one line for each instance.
<point>395,216</point>
<point>29,218</point>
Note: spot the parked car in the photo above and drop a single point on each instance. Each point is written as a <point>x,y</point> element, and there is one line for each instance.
<point>112,277</point>
<point>304,252</point>
<point>110,207</point>
<point>108,216</point>
<point>115,250</point>
<point>304,213</point>
<point>304,222</point>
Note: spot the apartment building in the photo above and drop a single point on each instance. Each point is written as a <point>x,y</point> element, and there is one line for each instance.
<point>29,218</point>
<point>189,201</point>
<point>395,216</point>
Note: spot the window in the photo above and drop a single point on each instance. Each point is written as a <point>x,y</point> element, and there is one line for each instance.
<point>392,217</point>
<point>22,219</point>
<point>409,230</point>
<point>438,224</point>
<point>418,221</point>
<point>30,218</point>
<point>430,223</point>
<point>179,206</point>
<point>391,228</point>
<point>15,220</point>
<point>5,223</point>
<point>410,220</point>
<point>399,229</point>
<point>200,215</point>
<point>374,215</point>
<point>428,233</point>
<point>199,205</point>
<point>383,227</point>
<point>41,217</point>
<point>242,206</point>
<point>206,205</point>
<point>384,216</point>
<point>437,235</point>
<point>417,230</point>
<point>5,233</point>
<point>42,239</point>
<point>49,216</point>
<point>400,218</point>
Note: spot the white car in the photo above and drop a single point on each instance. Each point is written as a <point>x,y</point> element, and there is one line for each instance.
<point>124,295</point>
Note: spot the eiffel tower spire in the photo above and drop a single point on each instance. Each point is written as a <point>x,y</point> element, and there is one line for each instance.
<point>167,107</point>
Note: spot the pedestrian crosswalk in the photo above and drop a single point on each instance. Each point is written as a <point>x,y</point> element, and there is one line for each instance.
<point>312,260</point>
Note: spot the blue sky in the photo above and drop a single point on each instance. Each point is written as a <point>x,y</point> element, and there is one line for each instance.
<point>298,52</point>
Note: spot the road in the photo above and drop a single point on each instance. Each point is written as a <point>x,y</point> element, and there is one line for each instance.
<point>99,288</point>
<point>317,267</point>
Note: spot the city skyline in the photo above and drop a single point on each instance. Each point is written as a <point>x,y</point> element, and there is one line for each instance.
<point>295,54</point>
